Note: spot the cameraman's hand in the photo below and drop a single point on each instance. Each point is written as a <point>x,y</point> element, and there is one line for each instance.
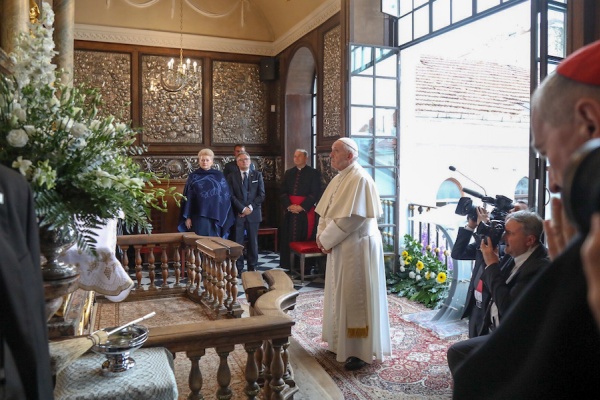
<point>559,230</point>
<point>490,253</point>
<point>482,215</point>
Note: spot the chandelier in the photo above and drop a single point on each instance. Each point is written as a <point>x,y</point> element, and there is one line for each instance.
<point>174,78</point>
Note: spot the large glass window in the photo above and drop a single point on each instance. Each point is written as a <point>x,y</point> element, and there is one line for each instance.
<point>419,19</point>
<point>373,125</point>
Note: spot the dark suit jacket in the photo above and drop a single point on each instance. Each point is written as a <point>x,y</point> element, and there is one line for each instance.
<point>495,276</point>
<point>464,250</point>
<point>23,331</point>
<point>547,346</point>
<point>256,194</point>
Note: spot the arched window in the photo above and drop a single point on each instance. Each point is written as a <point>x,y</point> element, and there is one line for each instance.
<point>449,192</point>
<point>522,189</point>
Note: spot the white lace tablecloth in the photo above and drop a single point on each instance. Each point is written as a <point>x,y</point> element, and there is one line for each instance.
<point>152,377</point>
<point>102,273</point>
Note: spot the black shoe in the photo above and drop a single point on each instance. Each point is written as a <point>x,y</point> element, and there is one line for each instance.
<point>354,363</point>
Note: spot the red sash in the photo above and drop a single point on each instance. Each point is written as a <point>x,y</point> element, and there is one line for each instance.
<point>310,214</point>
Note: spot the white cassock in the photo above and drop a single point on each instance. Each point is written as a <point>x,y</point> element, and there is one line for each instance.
<point>355,315</point>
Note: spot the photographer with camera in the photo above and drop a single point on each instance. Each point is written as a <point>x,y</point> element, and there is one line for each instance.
<point>507,276</point>
<point>524,256</point>
<point>548,345</point>
<point>478,294</point>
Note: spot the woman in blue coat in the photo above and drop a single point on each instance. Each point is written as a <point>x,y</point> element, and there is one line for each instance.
<point>207,207</point>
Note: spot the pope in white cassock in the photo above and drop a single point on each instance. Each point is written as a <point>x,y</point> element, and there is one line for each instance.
<point>355,317</point>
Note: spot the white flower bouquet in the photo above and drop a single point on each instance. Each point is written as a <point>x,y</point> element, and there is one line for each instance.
<point>79,164</point>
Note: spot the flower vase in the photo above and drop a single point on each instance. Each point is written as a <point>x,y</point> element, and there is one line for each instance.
<point>53,243</point>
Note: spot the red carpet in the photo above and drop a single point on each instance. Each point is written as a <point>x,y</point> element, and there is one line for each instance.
<point>416,370</point>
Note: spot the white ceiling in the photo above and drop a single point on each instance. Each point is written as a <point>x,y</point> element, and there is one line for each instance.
<point>263,27</point>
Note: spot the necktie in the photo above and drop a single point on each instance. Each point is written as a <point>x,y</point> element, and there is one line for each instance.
<point>245,186</point>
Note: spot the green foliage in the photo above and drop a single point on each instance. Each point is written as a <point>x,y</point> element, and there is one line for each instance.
<point>79,165</point>
<point>420,274</point>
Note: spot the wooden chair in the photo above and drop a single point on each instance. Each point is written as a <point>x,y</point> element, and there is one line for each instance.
<point>304,250</point>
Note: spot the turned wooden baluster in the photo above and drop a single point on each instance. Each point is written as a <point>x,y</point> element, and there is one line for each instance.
<point>252,388</point>
<point>195,379</point>
<point>138,265</point>
<point>125,259</point>
<point>224,373</point>
<point>259,359</point>
<point>208,280</point>
<point>227,281</point>
<point>286,366</point>
<point>277,384</point>
<point>177,265</point>
<point>219,307</point>
<point>191,269</point>
<point>151,267</point>
<point>200,274</point>
<point>233,284</point>
<point>164,265</point>
<point>267,374</point>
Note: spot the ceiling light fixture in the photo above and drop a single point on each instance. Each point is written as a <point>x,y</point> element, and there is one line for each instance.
<point>174,78</point>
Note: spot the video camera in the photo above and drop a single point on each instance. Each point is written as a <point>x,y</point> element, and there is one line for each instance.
<point>493,230</point>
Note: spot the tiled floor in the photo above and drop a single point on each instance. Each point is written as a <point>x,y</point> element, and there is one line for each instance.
<point>267,260</point>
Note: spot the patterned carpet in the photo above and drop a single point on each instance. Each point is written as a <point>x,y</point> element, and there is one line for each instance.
<point>416,370</point>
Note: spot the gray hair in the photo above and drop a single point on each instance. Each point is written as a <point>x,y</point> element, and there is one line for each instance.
<point>531,222</point>
<point>302,151</point>
<point>242,153</point>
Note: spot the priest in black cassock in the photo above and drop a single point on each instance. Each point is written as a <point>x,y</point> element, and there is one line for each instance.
<point>300,191</point>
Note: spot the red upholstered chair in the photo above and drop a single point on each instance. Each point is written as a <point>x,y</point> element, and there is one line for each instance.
<point>303,250</point>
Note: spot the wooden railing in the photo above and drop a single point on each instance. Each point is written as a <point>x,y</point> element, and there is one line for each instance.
<point>211,279</point>
<point>264,335</point>
<point>209,268</point>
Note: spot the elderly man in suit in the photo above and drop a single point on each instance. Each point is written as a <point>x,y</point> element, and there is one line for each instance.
<point>506,277</point>
<point>247,195</point>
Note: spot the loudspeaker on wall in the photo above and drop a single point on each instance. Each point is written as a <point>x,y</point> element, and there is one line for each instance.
<point>268,69</point>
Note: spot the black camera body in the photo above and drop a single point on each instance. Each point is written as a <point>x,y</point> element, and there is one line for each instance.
<point>495,229</point>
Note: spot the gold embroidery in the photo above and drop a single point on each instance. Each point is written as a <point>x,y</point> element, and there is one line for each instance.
<point>357,333</point>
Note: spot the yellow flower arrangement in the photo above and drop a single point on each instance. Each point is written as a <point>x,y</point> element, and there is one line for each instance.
<point>408,282</point>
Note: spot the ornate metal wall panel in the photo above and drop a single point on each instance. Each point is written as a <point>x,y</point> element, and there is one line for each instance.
<point>239,104</point>
<point>332,78</point>
<point>179,167</point>
<point>327,172</point>
<point>170,116</point>
<point>111,74</point>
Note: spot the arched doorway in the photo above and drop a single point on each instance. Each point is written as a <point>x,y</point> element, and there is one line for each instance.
<point>300,105</point>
